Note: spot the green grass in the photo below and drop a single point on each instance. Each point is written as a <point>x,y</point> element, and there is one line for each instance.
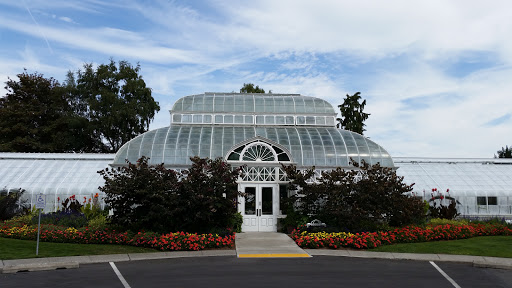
<point>19,249</point>
<point>494,246</point>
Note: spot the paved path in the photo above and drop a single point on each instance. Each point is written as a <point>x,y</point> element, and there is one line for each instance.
<point>267,244</point>
<point>248,245</point>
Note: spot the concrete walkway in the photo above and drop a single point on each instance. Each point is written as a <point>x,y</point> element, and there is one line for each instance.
<point>254,244</point>
<point>267,244</point>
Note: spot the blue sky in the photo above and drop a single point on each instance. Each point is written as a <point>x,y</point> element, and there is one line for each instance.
<point>436,74</point>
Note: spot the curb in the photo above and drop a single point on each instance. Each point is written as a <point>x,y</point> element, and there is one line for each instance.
<point>40,264</point>
<point>39,267</point>
<point>476,261</point>
<point>52,263</point>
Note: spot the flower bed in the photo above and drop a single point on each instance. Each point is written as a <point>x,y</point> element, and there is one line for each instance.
<point>179,241</point>
<point>407,234</point>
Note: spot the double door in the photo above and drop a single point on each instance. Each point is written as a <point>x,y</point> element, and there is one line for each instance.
<point>259,207</point>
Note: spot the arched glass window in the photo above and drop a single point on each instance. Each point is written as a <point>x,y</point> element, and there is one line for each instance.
<point>258,151</point>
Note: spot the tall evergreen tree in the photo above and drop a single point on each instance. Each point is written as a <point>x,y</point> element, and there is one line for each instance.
<point>352,115</point>
<point>504,152</point>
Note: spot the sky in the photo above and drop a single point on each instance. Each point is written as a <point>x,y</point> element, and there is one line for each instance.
<point>436,75</point>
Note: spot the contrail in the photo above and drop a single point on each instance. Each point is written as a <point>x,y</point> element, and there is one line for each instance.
<point>38,27</point>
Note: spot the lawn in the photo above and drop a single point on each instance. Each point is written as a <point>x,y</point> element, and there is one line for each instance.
<point>19,249</point>
<point>495,246</point>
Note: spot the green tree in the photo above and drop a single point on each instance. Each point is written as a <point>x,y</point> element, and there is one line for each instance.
<point>504,152</point>
<point>352,115</point>
<point>359,200</point>
<point>37,116</point>
<point>12,204</point>
<point>115,100</point>
<point>249,88</point>
<point>142,196</point>
<point>154,198</point>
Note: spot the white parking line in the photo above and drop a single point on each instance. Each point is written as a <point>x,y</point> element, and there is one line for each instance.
<point>445,275</point>
<point>119,275</point>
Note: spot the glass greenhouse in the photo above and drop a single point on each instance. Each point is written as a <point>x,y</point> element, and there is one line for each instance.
<point>260,132</point>
<point>480,186</point>
<point>57,175</point>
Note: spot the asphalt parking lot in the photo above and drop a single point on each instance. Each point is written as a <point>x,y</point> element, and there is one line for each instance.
<point>229,271</point>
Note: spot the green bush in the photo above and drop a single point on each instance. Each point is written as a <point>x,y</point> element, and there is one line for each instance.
<point>154,198</point>
<point>62,218</point>
<point>92,211</point>
<point>236,222</point>
<point>98,223</point>
<point>359,199</point>
<point>11,204</point>
<point>441,221</point>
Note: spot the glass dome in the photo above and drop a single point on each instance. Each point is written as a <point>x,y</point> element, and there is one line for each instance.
<point>252,103</point>
<point>308,146</point>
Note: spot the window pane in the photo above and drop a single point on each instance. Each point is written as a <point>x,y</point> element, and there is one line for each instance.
<point>250,201</point>
<point>176,118</point>
<point>301,120</point>
<point>289,120</point>
<point>228,119</point>
<point>186,118</point>
<point>266,199</point>
<point>249,120</point>
<point>481,200</point>
<point>198,118</point>
<point>239,119</point>
<point>207,119</point>
<point>269,119</point>
<point>492,200</point>
<point>260,119</point>
<point>218,118</point>
<point>280,120</point>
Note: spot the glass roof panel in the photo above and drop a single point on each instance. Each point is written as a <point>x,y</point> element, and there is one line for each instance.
<point>251,103</point>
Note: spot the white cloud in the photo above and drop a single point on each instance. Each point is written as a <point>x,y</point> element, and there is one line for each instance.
<point>398,53</point>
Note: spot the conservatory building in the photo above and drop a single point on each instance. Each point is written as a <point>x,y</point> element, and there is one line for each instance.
<point>258,132</point>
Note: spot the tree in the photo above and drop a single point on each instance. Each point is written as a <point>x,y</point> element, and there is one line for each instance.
<point>157,199</point>
<point>504,152</point>
<point>352,115</point>
<point>37,116</point>
<point>116,101</point>
<point>98,110</point>
<point>12,204</point>
<point>142,196</point>
<point>359,200</point>
<point>249,88</point>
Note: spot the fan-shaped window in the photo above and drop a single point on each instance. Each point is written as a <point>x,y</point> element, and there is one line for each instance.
<point>258,151</point>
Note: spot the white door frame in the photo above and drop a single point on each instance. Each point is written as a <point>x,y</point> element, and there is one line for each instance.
<point>259,218</point>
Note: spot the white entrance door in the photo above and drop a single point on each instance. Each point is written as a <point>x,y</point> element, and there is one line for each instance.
<point>259,207</point>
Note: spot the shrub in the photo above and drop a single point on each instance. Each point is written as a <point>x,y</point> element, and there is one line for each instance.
<point>62,218</point>
<point>441,221</point>
<point>71,205</point>
<point>361,199</point>
<point>154,198</point>
<point>98,223</point>
<point>236,222</point>
<point>436,208</point>
<point>11,204</point>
